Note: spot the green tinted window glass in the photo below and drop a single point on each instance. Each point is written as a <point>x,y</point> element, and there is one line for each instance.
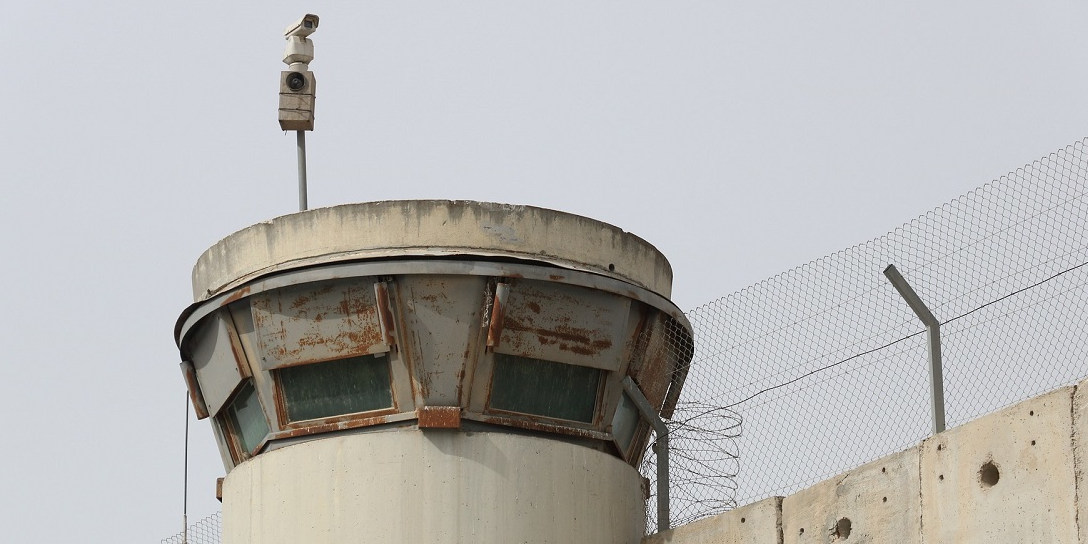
<point>247,419</point>
<point>333,388</point>
<point>544,388</point>
<point>624,422</point>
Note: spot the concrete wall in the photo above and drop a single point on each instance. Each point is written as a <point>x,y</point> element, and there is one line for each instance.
<point>1014,476</point>
<point>435,486</point>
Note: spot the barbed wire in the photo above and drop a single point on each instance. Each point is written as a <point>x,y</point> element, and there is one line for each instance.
<point>827,365</point>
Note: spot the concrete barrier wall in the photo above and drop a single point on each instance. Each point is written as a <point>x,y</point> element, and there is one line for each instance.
<point>1014,476</point>
<point>757,523</point>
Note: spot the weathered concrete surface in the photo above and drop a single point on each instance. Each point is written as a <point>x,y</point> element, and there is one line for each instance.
<point>425,228</point>
<point>877,502</point>
<point>438,487</point>
<point>1016,476</point>
<point>1004,478</point>
<point>1080,455</point>
<point>757,523</point>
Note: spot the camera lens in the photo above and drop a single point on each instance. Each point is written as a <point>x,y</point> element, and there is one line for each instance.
<point>296,81</point>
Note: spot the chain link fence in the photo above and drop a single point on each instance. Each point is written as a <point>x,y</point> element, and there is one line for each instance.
<point>827,366</point>
<point>205,531</point>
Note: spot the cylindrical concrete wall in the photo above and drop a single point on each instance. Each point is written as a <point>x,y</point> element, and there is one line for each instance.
<point>433,371</point>
<point>437,486</point>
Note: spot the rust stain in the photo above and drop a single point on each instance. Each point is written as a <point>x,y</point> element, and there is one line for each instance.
<point>573,339</point>
<point>556,277</point>
<point>577,349</point>
<point>544,340</point>
<point>534,425</point>
<point>331,425</point>
<point>238,295</point>
<point>189,373</point>
<point>385,313</point>
<point>439,417</point>
<point>239,353</point>
<point>534,307</point>
<point>498,320</point>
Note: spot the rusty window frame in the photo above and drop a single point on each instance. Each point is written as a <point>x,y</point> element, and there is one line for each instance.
<point>602,378</point>
<point>631,434</point>
<point>233,434</point>
<point>281,396</point>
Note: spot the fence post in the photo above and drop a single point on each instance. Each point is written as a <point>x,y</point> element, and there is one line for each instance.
<point>933,338</point>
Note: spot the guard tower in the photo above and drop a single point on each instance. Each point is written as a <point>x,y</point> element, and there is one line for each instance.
<point>433,371</point>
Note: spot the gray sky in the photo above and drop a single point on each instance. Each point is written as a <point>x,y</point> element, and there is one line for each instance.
<point>741,139</point>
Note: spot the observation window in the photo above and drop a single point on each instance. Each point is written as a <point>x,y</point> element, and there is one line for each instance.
<point>625,422</point>
<point>544,388</point>
<point>246,418</point>
<point>334,388</point>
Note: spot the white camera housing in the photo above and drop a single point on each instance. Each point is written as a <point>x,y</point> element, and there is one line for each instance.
<point>297,83</point>
<point>300,50</point>
<point>302,27</point>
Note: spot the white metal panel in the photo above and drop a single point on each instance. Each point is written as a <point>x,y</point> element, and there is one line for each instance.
<point>317,321</point>
<point>564,323</point>
<point>442,322</point>
<point>213,349</point>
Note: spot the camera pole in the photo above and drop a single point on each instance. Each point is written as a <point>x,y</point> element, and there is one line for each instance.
<point>298,92</point>
<point>301,139</point>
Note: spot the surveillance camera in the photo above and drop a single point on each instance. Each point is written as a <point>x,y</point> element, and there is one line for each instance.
<point>302,27</point>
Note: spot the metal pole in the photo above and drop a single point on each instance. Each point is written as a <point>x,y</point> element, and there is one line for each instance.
<point>933,340</point>
<point>660,447</point>
<point>301,139</point>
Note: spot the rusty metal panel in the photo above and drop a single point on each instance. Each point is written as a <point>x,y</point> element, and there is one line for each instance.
<point>188,371</point>
<point>663,351</point>
<point>317,321</point>
<point>385,313</point>
<point>214,348</point>
<point>440,417</point>
<point>441,332</point>
<point>564,323</point>
<point>498,313</point>
<point>654,365</point>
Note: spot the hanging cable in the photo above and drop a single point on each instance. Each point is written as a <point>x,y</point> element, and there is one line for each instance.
<point>185,477</point>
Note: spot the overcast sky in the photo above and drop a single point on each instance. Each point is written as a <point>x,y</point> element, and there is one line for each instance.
<point>741,139</point>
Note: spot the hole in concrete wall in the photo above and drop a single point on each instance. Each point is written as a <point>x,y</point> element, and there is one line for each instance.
<point>938,447</point>
<point>802,531</point>
<point>1032,442</point>
<point>941,477</point>
<point>1031,413</point>
<point>742,520</point>
<point>611,267</point>
<point>842,529</point>
<point>885,499</point>
<point>988,475</point>
<point>883,469</point>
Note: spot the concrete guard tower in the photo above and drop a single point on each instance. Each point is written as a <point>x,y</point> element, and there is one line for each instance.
<point>433,371</point>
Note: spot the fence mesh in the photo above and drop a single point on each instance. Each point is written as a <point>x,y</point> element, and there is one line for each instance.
<point>827,366</point>
<point>205,531</point>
